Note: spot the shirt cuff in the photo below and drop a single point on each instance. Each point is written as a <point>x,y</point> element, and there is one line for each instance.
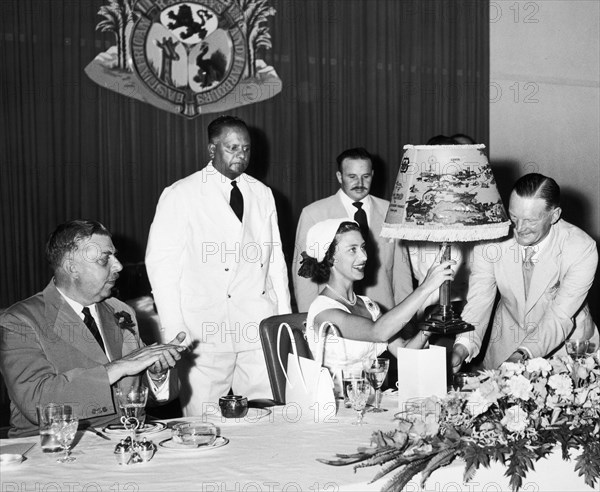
<point>527,351</point>
<point>160,390</point>
<point>470,346</point>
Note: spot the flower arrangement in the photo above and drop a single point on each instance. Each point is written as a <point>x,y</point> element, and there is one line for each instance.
<point>124,321</point>
<point>515,415</point>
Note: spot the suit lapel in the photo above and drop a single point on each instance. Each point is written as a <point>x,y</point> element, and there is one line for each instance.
<point>69,326</point>
<point>338,207</point>
<point>544,272</point>
<point>211,191</point>
<point>512,270</point>
<point>113,336</point>
<point>376,219</point>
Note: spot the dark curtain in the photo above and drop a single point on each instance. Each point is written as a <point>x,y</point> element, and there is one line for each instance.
<point>372,73</point>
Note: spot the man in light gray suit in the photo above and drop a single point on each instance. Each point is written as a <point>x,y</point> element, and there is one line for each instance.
<point>74,344</point>
<point>543,274</point>
<point>388,279</point>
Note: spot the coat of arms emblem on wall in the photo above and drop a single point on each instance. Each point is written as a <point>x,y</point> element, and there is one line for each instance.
<point>191,57</point>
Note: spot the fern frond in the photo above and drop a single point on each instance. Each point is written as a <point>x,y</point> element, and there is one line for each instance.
<point>400,479</point>
<point>443,458</point>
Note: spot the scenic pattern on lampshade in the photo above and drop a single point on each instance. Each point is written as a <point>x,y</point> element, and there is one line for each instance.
<point>445,193</point>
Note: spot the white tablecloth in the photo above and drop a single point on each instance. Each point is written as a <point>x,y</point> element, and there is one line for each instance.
<point>273,454</point>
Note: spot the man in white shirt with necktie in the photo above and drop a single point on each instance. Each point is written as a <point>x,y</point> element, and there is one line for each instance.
<point>388,277</point>
<point>216,266</point>
<point>543,274</point>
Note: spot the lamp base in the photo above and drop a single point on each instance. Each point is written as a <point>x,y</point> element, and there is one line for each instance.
<point>444,321</point>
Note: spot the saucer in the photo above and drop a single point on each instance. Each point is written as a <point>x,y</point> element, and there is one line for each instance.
<point>170,444</point>
<point>149,428</point>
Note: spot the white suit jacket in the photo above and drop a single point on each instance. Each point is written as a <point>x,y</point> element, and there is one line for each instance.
<point>554,307</point>
<point>211,276</point>
<point>392,274</point>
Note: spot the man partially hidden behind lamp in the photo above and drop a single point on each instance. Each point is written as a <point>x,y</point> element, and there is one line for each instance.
<point>72,343</point>
<point>543,274</point>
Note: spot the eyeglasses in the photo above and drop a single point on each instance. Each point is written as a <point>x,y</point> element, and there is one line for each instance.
<point>235,149</point>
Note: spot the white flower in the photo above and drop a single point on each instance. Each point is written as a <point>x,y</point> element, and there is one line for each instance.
<point>511,368</point>
<point>539,364</point>
<point>477,403</point>
<point>562,384</point>
<point>582,372</point>
<point>589,363</point>
<point>519,387</point>
<point>515,419</point>
<point>490,391</point>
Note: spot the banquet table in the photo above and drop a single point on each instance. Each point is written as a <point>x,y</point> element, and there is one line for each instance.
<point>276,452</point>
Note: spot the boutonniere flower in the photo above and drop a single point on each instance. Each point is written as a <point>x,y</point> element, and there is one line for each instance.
<point>124,321</point>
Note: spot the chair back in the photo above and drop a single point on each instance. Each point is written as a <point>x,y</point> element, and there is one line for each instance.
<point>268,330</point>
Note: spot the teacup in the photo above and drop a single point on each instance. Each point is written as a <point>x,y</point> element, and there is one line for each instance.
<point>233,406</point>
<point>194,434</point>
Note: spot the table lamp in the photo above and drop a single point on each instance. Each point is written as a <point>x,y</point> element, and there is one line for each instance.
<point>445,194</point>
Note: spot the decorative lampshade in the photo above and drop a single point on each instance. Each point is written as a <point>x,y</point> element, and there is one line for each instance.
<point>445,193</point>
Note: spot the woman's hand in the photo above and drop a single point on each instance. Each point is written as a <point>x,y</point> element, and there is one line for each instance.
<point>437,274</point>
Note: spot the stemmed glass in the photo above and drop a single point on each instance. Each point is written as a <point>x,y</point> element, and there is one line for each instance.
<point>576,347</point>
<point>132,406</point>
<point>65,428</point>
<point>358,391</point>
<point>350,374</point>
<point>376,370</point>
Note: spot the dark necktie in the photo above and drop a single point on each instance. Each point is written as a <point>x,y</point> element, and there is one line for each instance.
<point>90,322</point>
<point>361,217</point>
<point>236,200</point>
<point>528,266</point>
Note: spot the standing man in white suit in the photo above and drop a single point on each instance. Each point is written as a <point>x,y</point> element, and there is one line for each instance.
<point>388,279</point>
<point>217,269</point>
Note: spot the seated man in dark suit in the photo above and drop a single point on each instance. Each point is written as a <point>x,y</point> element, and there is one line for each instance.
<point>72,343</point>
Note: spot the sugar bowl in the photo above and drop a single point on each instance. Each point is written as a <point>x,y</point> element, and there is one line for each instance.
<point>233,406</point>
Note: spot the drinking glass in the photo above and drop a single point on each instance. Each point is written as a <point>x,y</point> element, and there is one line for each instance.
<point>348,376</point>
<point>65,429</point>
<point>376,370</point>
<point>132,407</point>
<point>358,392</point>
<point>576,347</point>
<point>46,415</point>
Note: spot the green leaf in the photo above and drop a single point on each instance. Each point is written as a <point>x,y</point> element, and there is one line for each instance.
<point>588,463</point>
<point>379,459</point>
<point>398,461</point>
<point>443,458</point>
<point>400,479</point>
<point>520,461</point>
